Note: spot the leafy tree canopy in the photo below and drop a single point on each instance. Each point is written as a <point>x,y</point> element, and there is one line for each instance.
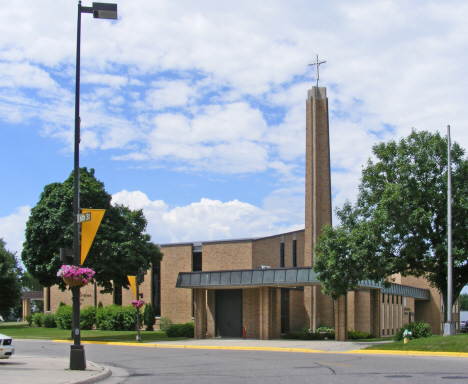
<point>399,222</point>
<point>10,280</point>
<point>119,248</point>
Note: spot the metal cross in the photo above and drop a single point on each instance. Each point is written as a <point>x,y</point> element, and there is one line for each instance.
<point>317,63</point>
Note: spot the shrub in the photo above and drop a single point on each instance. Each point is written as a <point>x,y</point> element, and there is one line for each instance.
<point>29,319</point>
<point>148,316</point>
<point>87,317</point>
<point>38,319</point>
<point>100,305</point>
<point>181,330</point>
<point>165,323</point>
<point>62,304</point>
<point>49,320</point>
<point>129,316</point>
<point>64,316</point>
<point>116,318</point>
<point>356,335</point>
<point>418,330</point>
<point>325,329</point>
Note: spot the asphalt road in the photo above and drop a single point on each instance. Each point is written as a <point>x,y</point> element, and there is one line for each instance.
<point>138,365</point>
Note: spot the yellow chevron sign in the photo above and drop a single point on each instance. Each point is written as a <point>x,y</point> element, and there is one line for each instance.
<point>89,229</point>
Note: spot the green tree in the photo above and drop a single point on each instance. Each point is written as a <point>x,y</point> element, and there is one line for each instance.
<point>10,281</point>
<point>464,302</point>
<point>399,222</point>
<point>119,248</point>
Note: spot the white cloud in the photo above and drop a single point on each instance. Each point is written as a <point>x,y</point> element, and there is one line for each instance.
<point>208,219</point>
<point>12,229</point>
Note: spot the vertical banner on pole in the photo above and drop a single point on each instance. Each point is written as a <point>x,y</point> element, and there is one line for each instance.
<point>89,229</point>
<point>133,284</point>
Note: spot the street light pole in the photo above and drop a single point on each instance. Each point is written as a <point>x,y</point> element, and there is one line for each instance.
<point>449,328</point>
<point>77,353</point>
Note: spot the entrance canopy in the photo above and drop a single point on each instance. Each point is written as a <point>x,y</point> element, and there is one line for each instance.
<point>281,278</point>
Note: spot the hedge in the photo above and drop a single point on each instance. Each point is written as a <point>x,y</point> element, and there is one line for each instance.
<point>181,330</point>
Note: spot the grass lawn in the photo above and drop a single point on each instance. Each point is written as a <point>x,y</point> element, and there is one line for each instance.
<point>23,331</point>
<point>457,343</point>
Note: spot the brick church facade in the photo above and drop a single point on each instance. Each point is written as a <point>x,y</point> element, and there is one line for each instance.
<point>266,285</point>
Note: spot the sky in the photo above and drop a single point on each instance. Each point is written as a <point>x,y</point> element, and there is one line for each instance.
<point>195,111</point>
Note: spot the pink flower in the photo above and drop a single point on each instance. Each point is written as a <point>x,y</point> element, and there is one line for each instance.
<point>76,272</point>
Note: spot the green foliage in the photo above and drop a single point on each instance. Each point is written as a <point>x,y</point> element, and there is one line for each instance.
<point>38,319</point>
<point>325,328</point>
<point>418,330</point>
<point>119,248</point>
<point>64,317</point>
<point>62,304</point>
<point>464,302</point>
<point>29,319</point>
<point>49,320</point>
<point>399,222</point>
<point>164,323</point>
<point>10,283</point>
<point>100,305</point>
<point>357,335</point>
<point>87,317</point>
<point>148,317</point>
<point>116,318</point>
<point>181,330</point>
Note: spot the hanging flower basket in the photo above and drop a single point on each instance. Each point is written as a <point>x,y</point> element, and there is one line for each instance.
<point>75,276</point>
<point>138,303</point>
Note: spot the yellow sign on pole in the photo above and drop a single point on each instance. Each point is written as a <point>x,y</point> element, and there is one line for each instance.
<point>132,281</point>
<point>89,229</point>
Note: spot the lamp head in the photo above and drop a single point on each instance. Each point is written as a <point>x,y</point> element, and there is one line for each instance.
<point>105,11</point>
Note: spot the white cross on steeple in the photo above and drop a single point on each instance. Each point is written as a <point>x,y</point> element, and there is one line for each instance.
<point>317,63</point>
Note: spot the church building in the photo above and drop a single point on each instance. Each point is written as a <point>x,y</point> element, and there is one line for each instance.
<point>266,286</point>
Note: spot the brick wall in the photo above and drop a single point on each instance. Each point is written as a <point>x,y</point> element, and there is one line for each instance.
<point>176,303</point>
<point>225,256</point>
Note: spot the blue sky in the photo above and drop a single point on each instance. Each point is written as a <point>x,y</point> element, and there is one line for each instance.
<point>195,111</point>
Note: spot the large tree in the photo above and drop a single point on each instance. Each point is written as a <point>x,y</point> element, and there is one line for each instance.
<point>399,222</point>
<point>10,281</point>
<point>119,248</point>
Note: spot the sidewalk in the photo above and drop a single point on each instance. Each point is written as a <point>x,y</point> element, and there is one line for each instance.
<point>22,369</point>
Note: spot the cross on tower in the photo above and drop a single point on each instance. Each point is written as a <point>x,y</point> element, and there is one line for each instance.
<point>317,63</point>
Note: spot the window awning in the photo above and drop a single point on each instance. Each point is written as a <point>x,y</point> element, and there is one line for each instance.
<point>279,277</point>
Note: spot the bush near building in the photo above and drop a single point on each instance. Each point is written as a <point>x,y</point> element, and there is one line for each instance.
<point>49,321</point>
<point>116,318</point>
<point>181,330</point>
<point>418,330</point>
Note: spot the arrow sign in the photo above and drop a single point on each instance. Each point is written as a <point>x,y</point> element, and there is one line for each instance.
<point>89,229</point>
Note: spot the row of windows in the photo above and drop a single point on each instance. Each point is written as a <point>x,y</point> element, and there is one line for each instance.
<point>395,299</point>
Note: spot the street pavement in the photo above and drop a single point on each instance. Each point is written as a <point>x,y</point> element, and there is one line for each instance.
<point>27,369</point>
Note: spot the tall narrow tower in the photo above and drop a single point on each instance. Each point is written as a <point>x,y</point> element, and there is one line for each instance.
<point>318,211</point>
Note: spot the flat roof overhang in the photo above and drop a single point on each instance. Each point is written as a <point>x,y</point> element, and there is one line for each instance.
<point>280,278</point>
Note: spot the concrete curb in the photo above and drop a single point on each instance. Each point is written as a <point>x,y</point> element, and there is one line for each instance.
<point>282,349</point>
<point>104,374</point>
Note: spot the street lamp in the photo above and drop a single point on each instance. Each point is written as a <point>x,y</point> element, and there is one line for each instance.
<point>77,353</point>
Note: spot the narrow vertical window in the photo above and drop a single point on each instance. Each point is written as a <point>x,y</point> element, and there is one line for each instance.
<point>294,253</point>
<point>157,288</point>
<point>118,294</point>
<point>282,255</point>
